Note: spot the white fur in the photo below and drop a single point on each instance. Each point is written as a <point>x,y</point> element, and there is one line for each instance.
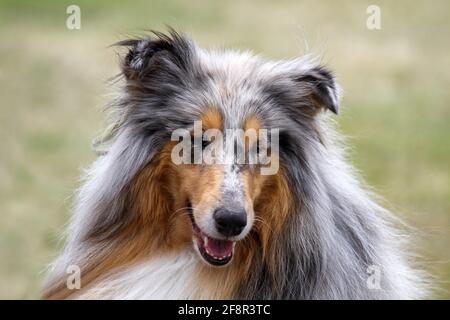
<point>166,277</point>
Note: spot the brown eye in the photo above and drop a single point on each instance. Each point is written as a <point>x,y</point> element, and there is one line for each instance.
<point>205,143</point>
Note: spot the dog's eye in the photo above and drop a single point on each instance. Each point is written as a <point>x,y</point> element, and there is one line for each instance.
<point>205,143</point>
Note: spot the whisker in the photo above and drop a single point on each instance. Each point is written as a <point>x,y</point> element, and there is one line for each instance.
<point>261,220</point>
<point>180,209</point>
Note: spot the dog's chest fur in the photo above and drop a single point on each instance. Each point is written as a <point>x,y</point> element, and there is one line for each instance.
<point>165,277</point>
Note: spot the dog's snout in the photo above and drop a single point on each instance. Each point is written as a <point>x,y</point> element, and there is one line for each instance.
<point>230,223</point>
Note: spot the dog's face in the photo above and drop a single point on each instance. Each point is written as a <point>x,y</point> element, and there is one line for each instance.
<point>221,195</point>
<point>242,116</point>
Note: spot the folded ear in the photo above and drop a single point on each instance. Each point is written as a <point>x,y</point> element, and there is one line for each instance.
<point>320,84</point>
<point>149,55</point>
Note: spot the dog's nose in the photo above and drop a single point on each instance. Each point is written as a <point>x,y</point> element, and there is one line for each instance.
<point>230,223</point>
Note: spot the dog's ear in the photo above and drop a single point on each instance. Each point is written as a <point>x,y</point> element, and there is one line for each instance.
<point>147,56</point>
<point>320,85</point>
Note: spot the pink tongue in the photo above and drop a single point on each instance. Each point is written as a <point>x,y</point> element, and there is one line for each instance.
<point>219,248</point>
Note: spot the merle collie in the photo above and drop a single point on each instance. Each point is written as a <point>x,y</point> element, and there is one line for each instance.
<point>148,227</point>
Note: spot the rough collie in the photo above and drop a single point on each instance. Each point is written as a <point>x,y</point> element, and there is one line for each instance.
<point>146,226</point>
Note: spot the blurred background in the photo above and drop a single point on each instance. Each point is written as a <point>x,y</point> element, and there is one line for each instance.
<point>395,108</point>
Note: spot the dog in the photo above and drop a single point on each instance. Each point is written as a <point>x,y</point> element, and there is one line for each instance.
<point>147,227</point>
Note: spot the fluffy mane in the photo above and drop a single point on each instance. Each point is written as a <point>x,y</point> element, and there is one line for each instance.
<point>332,230</point>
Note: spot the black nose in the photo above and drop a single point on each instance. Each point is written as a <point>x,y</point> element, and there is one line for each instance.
<point>230,223</point>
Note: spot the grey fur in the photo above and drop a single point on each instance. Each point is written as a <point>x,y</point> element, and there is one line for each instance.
<point>329,240</point>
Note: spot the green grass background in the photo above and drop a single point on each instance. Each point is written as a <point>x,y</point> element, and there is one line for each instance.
<point>395,109</point>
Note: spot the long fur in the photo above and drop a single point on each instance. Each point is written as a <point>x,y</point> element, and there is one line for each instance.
<point>333,230</point>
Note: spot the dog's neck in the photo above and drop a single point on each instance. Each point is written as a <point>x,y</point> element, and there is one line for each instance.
<point>171,275</point>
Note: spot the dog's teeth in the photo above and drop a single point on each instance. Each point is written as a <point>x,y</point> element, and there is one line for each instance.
<point>205,240</point>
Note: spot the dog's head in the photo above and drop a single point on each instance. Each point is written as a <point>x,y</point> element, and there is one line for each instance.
<point>224,125</point>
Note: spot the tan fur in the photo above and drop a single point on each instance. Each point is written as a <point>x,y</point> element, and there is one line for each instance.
<point>158,198</point>
<point>212,119</point>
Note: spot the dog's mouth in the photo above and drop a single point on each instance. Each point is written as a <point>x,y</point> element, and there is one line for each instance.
<point>216,252</point>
